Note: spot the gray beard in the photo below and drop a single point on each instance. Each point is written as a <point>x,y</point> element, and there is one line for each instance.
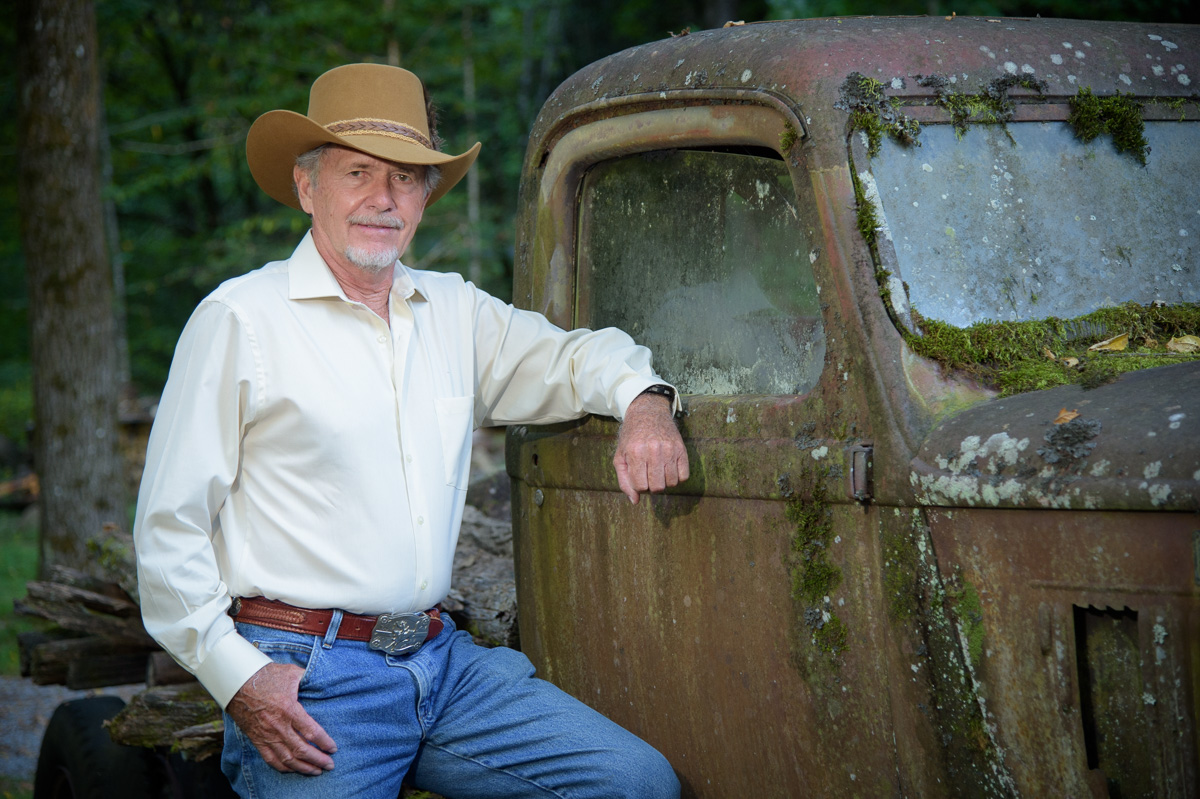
<point>372,261</point>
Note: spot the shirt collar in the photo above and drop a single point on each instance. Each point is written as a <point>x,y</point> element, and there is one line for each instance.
<point>309,276</point>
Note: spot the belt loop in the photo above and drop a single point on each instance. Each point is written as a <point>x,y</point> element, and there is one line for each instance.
<point>331,634</point>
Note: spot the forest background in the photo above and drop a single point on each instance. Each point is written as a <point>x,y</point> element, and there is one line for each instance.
<point>182,80</point>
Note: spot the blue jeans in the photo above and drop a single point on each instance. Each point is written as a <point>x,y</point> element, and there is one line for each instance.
<point>459,719</point>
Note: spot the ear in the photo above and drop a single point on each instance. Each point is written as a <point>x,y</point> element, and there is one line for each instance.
<point>303,189</point>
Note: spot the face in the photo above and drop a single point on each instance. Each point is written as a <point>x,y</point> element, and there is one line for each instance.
<point>364,210</point>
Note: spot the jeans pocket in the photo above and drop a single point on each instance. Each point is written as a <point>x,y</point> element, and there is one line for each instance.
<point>290,651</point>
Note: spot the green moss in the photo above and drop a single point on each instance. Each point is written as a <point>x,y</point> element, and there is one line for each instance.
<point>1178,104</point>
<point>953,686</point>
<point>868,221</point>
<point>787,137</point>
<point>1012,355</point>
<point>813,575</point>
<point>899,574</point>
<point>831,636</point>
<point>872,112</point>
<point>970,618</point>
<point>990,106</point>
<point>1118,115</point>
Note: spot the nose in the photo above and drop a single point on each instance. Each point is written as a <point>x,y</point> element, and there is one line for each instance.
<point>379,198</point>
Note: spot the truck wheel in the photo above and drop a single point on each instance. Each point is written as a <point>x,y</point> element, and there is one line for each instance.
<point>79,760</point>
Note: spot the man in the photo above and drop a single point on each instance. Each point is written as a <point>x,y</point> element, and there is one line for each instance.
<point>305,483</point>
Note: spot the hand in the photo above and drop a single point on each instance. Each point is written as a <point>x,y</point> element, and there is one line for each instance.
<point>267,709</point>
<point>650,452</point>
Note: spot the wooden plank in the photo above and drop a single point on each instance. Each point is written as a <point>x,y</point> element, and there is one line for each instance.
<point>121,607</point>
<point>106,670</point>
<point>27,642</point>
<point>86,662</point>
<point>80,619</point>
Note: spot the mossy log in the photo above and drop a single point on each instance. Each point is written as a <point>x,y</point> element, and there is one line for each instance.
<point>182,718</point>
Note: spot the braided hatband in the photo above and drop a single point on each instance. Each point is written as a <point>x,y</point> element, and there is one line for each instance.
<point>379,127</point>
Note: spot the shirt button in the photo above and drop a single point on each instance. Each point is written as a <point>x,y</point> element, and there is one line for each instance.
<point>382,339</point>
<point>424,584</point>
<point>408,458</point>
<point>420,520</point>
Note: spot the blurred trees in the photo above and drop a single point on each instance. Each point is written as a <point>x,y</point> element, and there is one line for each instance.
<point>184,79</point>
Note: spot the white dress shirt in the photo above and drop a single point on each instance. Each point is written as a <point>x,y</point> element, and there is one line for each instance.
<point>304,451</point>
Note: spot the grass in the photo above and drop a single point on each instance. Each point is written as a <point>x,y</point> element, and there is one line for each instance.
<point>15,789</point>
<point>18,565</point>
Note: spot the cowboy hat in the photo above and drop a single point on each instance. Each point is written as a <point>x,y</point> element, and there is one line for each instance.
<point>372,108</point>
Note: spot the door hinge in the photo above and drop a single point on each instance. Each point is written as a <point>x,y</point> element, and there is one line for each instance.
<point>862,483</point>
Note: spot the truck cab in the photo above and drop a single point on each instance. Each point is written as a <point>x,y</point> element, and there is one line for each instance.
<point>929,290</point>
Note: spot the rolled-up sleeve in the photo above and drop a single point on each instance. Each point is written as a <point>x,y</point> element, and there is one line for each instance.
<point>191,463</point>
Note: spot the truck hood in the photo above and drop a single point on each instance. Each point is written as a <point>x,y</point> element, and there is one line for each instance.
<point>1134,445</point>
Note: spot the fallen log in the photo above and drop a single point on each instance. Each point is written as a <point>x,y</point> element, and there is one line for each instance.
<point>88,662</point>
<point>178,717</point>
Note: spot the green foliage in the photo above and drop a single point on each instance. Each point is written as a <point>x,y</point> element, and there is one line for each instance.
<point>185,79</point>
<point>16,402</point>
<point>18,565</point>
<point>1012,355</point>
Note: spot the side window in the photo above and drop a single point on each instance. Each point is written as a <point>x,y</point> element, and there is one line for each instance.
<point>700,256</point>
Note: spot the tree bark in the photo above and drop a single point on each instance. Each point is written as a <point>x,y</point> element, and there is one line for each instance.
<point>73,345</point>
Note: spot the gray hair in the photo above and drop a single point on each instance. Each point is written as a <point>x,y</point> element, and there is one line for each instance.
<point>310,162</point>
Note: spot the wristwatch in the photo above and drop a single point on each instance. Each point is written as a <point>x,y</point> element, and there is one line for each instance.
<point>661,390</point>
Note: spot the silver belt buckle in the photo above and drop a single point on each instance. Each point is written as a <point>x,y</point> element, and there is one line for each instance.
<point>399,633</point>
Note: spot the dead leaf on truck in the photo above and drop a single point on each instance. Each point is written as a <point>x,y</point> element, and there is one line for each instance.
<point>1114,344</point>
<point>1184,344</point>
<point>1065,416</point>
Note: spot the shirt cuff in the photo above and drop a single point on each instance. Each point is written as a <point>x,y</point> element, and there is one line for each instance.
<point>230,664</point>
<point>628,391</point>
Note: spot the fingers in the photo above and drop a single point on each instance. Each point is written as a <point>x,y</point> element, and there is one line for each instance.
<point>289,745</point>
<point>652,466</point>
<point>268,711</point>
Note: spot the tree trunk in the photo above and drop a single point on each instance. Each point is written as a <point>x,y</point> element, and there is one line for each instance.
<point>70,286</point>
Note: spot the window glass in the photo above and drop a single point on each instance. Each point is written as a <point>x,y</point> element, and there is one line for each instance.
<point>700,256</point>
<point>1025,221</point>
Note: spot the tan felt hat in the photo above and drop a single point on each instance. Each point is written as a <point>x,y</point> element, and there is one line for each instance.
<point>372,108</point>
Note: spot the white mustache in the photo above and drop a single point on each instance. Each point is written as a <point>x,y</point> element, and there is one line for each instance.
<point>378,221</point>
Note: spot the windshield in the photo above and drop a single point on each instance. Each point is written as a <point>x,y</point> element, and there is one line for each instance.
<point>1024,221</point>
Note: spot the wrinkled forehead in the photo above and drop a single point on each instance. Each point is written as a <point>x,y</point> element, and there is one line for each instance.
<point>356,159</point>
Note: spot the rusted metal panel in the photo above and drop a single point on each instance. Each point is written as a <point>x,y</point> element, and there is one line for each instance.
<point>1025,582</point>
<point>675,618</point>
<point>1133,446</point>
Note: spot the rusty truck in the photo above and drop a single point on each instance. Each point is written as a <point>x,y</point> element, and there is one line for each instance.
<point>928,288</point>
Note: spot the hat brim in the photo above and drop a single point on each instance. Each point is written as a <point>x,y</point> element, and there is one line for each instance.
<point>277,137</point>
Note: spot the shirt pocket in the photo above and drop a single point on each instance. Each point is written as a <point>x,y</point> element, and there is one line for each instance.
<point>456,422</point>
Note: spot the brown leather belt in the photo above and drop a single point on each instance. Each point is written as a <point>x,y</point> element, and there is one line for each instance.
<point>394,633</point>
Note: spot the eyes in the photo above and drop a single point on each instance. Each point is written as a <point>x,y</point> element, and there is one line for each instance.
<point>404,180</point>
